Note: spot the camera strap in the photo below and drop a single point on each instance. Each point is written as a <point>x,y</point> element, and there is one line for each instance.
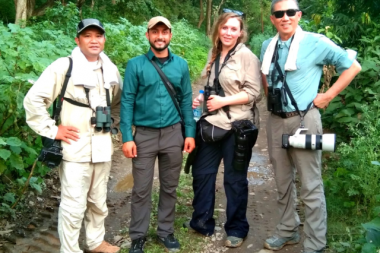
<point>168,85</point>
<point>218,88</point>
<point>285,88</point>
<point>87,91</point>
<point>58,106</point>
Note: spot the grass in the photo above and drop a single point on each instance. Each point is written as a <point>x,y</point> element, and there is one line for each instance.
<point>190,242</point>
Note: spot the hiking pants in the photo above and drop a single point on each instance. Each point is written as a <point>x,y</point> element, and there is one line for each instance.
<point>308,165</point>
<point>205,169</point>
<point>166,144</point>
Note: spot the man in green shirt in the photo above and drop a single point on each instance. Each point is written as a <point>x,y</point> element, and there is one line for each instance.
<point>147,104</point>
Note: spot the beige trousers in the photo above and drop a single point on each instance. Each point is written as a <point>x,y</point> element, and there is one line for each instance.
<point>83,195</point>
<point>308,165</point>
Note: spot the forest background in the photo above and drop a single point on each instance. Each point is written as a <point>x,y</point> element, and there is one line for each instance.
<point>34,33</point>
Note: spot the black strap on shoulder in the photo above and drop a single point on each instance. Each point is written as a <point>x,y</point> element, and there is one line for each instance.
<point>285,87</point>
<point>58,106</point>
<point>168,86</point>
<point>218,88</point>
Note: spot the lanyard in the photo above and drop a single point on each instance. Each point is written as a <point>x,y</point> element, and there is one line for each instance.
<point>285,88</point>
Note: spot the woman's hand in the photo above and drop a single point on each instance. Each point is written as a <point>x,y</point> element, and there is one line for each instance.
<point>215,102</point>
<point>195,103</point>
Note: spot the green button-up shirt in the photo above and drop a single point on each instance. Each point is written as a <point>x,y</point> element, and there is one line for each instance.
<point>145,100</point>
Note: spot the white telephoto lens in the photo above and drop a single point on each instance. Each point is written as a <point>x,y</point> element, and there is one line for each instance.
<point>329,142</point>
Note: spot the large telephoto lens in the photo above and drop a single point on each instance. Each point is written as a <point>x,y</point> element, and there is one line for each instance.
<point>325,142</point>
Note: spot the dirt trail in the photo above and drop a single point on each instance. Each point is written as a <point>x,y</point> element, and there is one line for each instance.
<point>38,232</point>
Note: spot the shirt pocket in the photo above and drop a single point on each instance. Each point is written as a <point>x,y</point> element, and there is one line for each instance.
<point>232,72</point>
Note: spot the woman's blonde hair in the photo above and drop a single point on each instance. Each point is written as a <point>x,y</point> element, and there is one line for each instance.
<point>216,43</point>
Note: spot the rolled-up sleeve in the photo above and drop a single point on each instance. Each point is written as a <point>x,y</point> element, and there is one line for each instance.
<point>328,53</point>
<point>39,98</point>
<point>252,82</point>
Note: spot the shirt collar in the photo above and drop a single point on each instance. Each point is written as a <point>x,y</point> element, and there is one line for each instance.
<point>151,54</point>
<point>282,44</point>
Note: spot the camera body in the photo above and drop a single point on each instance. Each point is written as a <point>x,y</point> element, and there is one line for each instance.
<point>325,142</point>
<point>51,154</point>
<point>245,136</point>
<point>208,91</point>
<point>274,102</point>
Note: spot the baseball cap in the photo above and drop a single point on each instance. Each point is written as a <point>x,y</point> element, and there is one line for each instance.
<point>154,21</point>
<point>89,22</point>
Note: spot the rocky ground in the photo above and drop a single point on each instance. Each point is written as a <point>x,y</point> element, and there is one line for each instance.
<point>36,229</point>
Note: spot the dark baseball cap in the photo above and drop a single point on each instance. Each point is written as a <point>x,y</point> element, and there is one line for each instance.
<point>85,23</point>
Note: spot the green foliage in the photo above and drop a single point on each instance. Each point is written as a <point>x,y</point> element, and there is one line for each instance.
<point>257,40</point>
<point>26,52</point>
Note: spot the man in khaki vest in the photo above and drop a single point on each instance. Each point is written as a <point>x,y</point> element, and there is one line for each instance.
<point>87,151</point>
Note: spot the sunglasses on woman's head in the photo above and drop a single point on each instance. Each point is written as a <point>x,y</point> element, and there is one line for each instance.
<point>289,13</point>
<point>233,11</point>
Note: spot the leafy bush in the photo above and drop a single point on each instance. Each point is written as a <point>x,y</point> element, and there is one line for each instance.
<point>257,40</point>
<point>26,52</point>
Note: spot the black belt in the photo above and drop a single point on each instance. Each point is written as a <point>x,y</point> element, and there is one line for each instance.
<point>286,115</point>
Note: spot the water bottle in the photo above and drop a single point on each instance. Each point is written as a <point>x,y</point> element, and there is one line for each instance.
<point>199,110</point>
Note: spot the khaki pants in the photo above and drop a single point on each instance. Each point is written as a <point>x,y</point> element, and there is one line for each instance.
<point>166,144</point>
<point>308,165</point>
<point>83,195</point>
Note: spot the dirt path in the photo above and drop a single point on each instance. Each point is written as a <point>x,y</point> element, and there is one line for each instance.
<point>38,232</point>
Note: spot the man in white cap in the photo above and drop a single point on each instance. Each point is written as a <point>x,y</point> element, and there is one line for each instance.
<point>147,104</point>
<point>87,150</point>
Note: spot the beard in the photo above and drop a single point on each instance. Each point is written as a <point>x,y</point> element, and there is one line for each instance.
<point>159,49</point>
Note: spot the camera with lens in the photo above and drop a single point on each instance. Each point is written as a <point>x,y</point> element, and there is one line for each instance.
<point>103,120</point>
<point>325,142</point>
<point>51,153</point>
<point>245,135</point>
<point>274,102</point>
<point>208,91</point>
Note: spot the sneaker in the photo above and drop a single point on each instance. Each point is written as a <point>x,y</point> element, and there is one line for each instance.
<point>233,242</point>
<point>170,243</point>
<point>137,245</point>
<point>104,247</point>
<point>276,242</point>
<point>189,228</point>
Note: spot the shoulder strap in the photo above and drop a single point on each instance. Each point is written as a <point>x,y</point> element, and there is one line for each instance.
<point>58,106</point>
<point>168,86</point>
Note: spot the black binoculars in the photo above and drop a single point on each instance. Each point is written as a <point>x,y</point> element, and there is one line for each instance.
<point>274,101</point>
<point>103,120</point>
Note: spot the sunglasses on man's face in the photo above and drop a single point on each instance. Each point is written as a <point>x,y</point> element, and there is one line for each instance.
<point>239,13</point>
<point>289,13</point>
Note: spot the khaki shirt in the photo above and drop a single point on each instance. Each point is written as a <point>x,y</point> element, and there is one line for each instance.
<point>241,73</point>
<point>92,146</point>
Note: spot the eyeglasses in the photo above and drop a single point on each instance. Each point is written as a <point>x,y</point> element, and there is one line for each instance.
<point>239,13</point>
<point>289,13</point>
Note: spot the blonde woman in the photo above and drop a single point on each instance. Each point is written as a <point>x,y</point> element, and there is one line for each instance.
<point>238,74</point>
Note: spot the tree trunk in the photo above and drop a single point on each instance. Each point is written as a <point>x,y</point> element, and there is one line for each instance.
<point>92,5</point>
<point>208,17</point>
<point>79,5</point>
<point>21,11</point>
<point>41,10</point>
<point>202,15</point>
<point>216,13</point>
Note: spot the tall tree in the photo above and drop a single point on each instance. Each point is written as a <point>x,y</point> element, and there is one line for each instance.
<point>27,8</point>
<point>201,15</point>
<point>208,17</point>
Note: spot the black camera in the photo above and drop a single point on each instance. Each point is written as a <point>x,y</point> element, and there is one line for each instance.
<point>245,137</point>
<point>208,91</point>
<point>51,154</point>
<point>274,102</point>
